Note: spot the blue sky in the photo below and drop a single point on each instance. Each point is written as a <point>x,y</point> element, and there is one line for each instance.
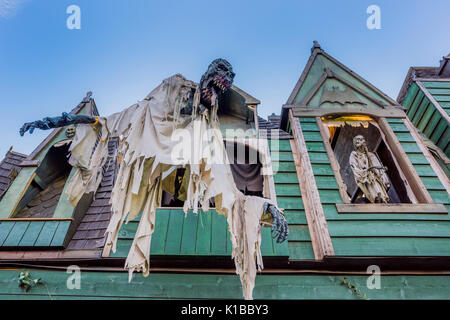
<point>126,48</point>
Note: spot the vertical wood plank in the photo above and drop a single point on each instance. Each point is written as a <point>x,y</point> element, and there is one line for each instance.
<point>159,235</point>
<point>5,229</point>
<point>218,234</point>
<point>266,242</point>
<point>16,234</point>
<point>32,234</point>
<point>203,244</point>
<point>174,232</point>
<point>47,233</point>
<point>281,249</point>
<point>60,234</point>
<point>317,223</point>
<point>189,237</point>
<point>228,243</point>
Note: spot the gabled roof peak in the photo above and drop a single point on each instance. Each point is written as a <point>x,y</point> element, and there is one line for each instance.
<point>316,46</point>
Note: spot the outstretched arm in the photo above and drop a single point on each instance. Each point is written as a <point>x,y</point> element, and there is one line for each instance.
<point>56,122</point>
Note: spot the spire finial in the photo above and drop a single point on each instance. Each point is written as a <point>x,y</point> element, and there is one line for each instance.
<point>316,45</point>
<point>88,96</point>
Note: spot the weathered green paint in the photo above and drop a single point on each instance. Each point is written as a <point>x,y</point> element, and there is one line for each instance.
<point>316,71</point>
<point>424,114</point>
<point>64,209</point>
<point>114,285</point>
<point>60,235</point>
<point>391,246</point>
<point>380,234</point>
<point>47,233</point>
<point>12,196</point>
<point>289,198</point>
<point>203,246</point>
<point>16,234</point>
<point>159,235</point>
<point>205,234</point>
<point>32,233</point>
<point>5,229</point>
<point>219,235</point>
<point>25,234</point>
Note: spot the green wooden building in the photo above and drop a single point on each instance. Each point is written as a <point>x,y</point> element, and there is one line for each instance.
<point>336,240</point>
<point>426,96</point>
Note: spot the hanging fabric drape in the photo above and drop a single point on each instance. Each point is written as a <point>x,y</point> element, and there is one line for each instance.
<point>154,136</point>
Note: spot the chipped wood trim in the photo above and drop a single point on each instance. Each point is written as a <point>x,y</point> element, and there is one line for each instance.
<point>433,79</point>
<point>306,203</point>
<point>36,219</point>
<point>386,112</point>
<point>434,165</point>
<point>333,162</point>
<point>383,208</point>
<point>416,184</point>
<point>22,194</point>
<point>314,90</point>
<point>29,164</point>
<point>315,215</point>
<point>357,76</point>
<point>270,177</point>
<point>360,91</point>
<point>303,76</point>
<point>50,255</point>
<point>106,250</point>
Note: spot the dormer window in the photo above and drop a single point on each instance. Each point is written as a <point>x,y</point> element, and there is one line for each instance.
<point>42,196</point>
<point>367,166</point>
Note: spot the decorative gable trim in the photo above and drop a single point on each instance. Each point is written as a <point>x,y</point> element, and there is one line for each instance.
<point>328,74</point>
<point>318,50</point>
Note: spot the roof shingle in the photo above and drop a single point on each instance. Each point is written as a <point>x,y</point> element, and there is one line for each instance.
<point>90,234</point>
<point>8,167</point>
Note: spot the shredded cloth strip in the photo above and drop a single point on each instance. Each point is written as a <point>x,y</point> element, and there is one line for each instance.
<point>150,151</point>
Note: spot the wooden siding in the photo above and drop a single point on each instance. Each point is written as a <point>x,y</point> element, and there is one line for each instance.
<point>114,285</point>
<point>33,234</point>
<point>424,114</point>
<point>205,234</point>
<point>289,198</point>
<point>381,234</point>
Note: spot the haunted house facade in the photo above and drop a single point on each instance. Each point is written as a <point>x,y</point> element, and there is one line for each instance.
<point>336,233</point>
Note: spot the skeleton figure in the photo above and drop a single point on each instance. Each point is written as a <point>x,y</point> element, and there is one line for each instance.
<point>370,175</point>
<point>214,82</point>
<point>70,132</point>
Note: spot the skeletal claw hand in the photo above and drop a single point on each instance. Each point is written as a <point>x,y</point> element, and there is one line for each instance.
<point>26,127</point>
<point>279,225</point>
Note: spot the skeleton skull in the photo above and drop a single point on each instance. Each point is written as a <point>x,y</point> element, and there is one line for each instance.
<point>70,132</point>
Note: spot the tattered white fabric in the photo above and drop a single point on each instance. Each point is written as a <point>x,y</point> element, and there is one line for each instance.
<point>152,147</point>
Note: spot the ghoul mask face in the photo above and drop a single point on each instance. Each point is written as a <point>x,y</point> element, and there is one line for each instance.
<point>216,81</point>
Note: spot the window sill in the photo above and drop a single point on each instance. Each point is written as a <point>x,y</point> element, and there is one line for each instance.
<point>382,208</point>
